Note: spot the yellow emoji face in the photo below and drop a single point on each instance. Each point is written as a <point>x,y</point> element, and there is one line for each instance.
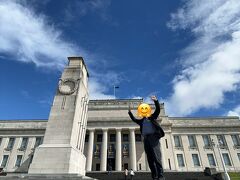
<point>144,110</point>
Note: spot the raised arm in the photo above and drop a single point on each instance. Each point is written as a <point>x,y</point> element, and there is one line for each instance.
<point>132,116</point>
<point>157,107</point>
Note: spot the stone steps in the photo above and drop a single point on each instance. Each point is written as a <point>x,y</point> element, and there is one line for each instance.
<point>147,176</point>
<point>112,176</point>
<point>45,177</point>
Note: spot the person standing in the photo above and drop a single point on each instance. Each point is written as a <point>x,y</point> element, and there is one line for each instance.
<point>152,132</point>
<point>126,174</point>
<point>132,174</point>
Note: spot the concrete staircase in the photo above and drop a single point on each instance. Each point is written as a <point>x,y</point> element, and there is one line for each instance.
<point>112,176</point>
<point>45,177</point>
<point>147,176</point>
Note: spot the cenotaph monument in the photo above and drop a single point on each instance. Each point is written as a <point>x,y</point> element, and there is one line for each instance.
<point>63,144</point>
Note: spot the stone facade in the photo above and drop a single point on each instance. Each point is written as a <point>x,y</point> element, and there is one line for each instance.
<point>192,154</point>
<point>184,147</point>
<point>62,148</point>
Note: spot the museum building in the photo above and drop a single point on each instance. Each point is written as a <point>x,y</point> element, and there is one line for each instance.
<point>110,141</point>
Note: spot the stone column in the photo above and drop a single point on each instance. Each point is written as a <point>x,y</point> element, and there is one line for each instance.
<point>202,152</point>
<point>103,165</point>
<point>231,149</point>
<point>217,156</point>
<point>133,161</point>
<point>90,150</point>
<point>173,155</point>
<point>118,150</point>
<point>162,152</point>
<point>186,154</point>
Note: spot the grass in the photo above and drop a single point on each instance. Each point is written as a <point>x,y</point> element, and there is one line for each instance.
<point>234,176</point>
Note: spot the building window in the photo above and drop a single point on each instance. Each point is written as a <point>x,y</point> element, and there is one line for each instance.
<point>166,143</point>
<point>169,164</point>
<point>222,141</point>
<point>97,167</point>
<point>207,141</point>
<point>87,138</point>
<point>0,141</point>
<point>196,161</point>
<point>125,138</point>
<point>38,141</point>
<point>111,151</point>
<point>4,161</point>
<point>211,160</point>
<point>125,150</point>
<point>140,166</point>
<point>112,137</point>
<point>24,144</point>
<point>138,137</point>
<point>18,161</point>
<point>236,141</point>
<point>97,151</point>
<point>180,160</point>
<point>238,154</point>
<point>192,141</point>
<point>226,159</point>
<point>177,141</point>
<point>99,138</point>
<point>10,144</point>
<point>30,159</point>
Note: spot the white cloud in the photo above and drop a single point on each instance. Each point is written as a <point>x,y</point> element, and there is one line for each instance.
<point>102,81</point>
<point>235,111</point>
<point>97,90</point>
<point>136,97</point>
<point>82,8</point>
<point>30,38</point>
<point>211,63</point>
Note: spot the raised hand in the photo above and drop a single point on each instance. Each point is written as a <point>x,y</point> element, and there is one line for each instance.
<point>154,98</point>
<point>129,108</point>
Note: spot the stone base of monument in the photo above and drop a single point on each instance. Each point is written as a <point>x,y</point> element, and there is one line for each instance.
<point>14,176</point>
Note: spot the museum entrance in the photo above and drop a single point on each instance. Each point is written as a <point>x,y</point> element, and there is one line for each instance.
<point>111,158</point>
<point>111,164</point>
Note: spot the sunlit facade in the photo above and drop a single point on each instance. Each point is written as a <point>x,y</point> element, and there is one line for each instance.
<point>113,141</point>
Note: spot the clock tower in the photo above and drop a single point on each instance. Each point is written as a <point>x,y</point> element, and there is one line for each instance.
<point>63,144</point>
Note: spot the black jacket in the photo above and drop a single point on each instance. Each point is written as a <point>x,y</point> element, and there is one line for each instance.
<point>153,118</point>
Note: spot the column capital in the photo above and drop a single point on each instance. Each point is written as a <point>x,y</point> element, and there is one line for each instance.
<point>132,129</point>
<point>118,129</point>
<point>91,129</point>
<point>104,129</point>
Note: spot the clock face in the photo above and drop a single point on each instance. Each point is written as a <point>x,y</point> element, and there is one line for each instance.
<point>67,86</point>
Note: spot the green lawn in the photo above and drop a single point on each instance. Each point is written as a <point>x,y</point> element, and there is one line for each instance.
<point>234,176</point>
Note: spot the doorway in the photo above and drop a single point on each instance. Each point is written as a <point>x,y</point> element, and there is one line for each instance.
<point>111,164</point>
<point>125,166</point>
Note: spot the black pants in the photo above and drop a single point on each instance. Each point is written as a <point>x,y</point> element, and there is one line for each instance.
<point>152,149</point>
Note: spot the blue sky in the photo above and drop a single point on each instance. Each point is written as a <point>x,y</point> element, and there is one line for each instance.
<point>185,52</point>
